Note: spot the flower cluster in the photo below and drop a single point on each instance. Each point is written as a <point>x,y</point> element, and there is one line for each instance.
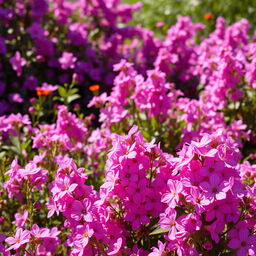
<point>158,155</point>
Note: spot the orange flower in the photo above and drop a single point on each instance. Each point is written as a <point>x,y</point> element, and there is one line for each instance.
<point>42,92</point>
<point>94,87</point>
<point>208,16</point>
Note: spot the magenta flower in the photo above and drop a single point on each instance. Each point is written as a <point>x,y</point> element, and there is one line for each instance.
<point>17,63</point>
<point>243,242</point>
<point>137,217</point>
<point>36,231</point>
<point>65,186</point>
<point>82,239</point>
<point>160,251</point>
<point>216,188</point>
<point>21,237</point>
<point>190,222</point>
<point>49,87</point>
<point>168,221</point>
<point>197,199</point>
<point>81,210</point>
<point>172,198</point>
<point>129,154</point>
<point>116,247</point>
<point>52,207</point>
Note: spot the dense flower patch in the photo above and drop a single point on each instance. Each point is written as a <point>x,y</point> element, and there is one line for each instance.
<point>161,161</point>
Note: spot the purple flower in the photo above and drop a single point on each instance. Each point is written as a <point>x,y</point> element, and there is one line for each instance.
<point>3,49</point>
<point>36,31</point>
<point>44,47</point>
<point>15,97</point>
<point>2,88</point>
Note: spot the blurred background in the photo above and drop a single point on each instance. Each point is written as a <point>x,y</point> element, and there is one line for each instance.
<point>205,11</point>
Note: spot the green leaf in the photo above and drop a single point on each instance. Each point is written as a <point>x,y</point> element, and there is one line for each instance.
<point>25,144</point>
<point>72,91</point>
<point>2,154</point>
<point>159,231</point>
<point>72,98</point>
<point>16,143</point>
<point>62,91</point>
<point>11,148</point>
<point>154,123</point>
<point>56,98</point>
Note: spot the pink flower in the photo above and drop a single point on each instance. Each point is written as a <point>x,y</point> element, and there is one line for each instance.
<point>15,97</point>
<point>197,199</point>
<point>172,198</point>
<point>190,222</point>
<point>17,63</point>
<point>21,237</point>
<point>37,232</point>
<point>168,221</point>
<point>65,187</point>
<point>98,101</point>
<point>20,219</point>
<point>49,87</point>
<point>82,239</point>
<point>159,24</point>
<point>67,60</point>
<point>129,154</point>
<point>52,207</point>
